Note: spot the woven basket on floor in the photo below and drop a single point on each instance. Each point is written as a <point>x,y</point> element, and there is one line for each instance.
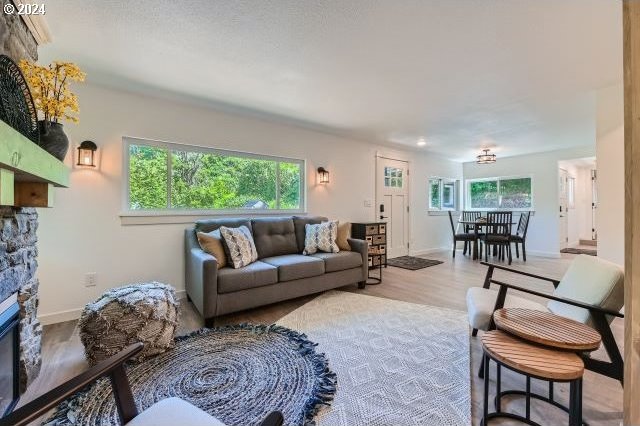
<point>146,312</point>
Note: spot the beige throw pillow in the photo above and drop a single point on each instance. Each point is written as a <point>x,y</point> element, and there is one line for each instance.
<point>344,233</point>
<point>212,243</point>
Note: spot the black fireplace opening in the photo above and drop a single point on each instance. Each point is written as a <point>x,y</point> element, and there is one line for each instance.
<point>9,354</point>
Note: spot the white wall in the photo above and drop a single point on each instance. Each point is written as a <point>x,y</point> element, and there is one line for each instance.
<point>579,217</point>
<point>610,211</point>
<point>543,234</point>
<point>83,232</point>
<point>610,155</point>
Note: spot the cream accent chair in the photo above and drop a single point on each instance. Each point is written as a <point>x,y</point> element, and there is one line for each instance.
<point>167,412</point>
<point>591,292</point>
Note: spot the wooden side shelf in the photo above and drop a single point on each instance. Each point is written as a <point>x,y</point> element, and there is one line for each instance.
<point>27,172</point>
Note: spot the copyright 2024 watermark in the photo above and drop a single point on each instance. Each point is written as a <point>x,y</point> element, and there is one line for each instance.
<point>24,9</point>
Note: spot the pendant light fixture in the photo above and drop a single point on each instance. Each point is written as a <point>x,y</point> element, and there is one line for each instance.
<point>486,158</point>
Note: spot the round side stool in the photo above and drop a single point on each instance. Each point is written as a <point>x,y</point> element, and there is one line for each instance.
<point>532,361</point>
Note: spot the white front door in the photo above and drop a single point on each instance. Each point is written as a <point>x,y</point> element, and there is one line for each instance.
<point>392,203</point>
<point>563,206</point>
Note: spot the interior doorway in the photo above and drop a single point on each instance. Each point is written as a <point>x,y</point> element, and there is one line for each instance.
<point>392,203</point>
<point>577,202</point>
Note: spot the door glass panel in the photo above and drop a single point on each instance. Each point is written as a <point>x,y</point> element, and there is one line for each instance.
<point>393,177</point>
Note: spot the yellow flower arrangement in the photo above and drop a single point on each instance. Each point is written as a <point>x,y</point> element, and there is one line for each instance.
<point>50,90</point>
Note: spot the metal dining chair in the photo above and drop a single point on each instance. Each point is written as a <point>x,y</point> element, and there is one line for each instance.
<point>521,234</point>
<point>498,234</point>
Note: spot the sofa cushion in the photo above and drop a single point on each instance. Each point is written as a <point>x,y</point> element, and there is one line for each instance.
<point>299,223</point>
<point>274,236</point>
<point>340,261</point>
<point>173,411</point>
<point>295,266</point>
<point>208,225</point>
<point>254,275</point>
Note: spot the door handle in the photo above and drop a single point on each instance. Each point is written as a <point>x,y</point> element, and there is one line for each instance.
<point>383,217</point>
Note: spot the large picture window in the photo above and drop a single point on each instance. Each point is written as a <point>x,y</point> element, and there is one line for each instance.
<point>509,193</point>
<point>443,194</point>
<point>173,177</point>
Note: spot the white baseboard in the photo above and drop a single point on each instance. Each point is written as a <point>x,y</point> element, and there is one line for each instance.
<point>427,251</point>
<point>61,316</point>
<point>548,254</point>
<point>74,314</point>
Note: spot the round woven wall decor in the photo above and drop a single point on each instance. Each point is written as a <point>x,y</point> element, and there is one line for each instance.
<point>16,104</point>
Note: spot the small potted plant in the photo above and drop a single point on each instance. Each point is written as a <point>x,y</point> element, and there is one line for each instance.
<point>54,100</point>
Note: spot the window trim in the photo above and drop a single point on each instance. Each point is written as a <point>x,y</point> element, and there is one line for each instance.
<point>456,196</point>
<point>467,193</point>
<point>126,211</point>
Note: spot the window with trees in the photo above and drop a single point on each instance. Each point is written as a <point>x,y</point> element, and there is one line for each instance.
<point>443,194</point>
<point>509,193</point>
<point>170,177</point>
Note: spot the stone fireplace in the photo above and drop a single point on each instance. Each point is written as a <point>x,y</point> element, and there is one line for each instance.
<point>18,227</point>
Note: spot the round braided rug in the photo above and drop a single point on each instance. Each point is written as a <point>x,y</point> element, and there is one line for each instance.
<point>237,374</point>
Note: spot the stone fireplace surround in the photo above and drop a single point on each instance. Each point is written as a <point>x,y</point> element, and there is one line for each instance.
<point>18,227</point>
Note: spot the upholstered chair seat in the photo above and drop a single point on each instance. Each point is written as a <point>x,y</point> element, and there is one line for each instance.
<point>172,412</point>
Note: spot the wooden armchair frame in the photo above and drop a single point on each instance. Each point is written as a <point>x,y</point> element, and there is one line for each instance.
<point>614,368</point>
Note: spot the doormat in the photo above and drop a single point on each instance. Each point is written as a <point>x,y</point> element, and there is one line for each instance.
<point>590,252</point>
<point>412,263</point>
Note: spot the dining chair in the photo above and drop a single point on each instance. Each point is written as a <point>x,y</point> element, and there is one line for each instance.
<point>498,234</point>
<point>469,216</point>
<point>466,237</point>
<point>521,234</point>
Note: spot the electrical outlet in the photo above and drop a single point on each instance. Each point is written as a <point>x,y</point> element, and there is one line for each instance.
<point>90,279</point>
<point>368,203</point>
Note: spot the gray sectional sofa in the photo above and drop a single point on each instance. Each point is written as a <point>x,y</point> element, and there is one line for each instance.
<point>282,272</point>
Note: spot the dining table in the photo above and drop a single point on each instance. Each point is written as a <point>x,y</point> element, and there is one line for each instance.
<point>477,225</point>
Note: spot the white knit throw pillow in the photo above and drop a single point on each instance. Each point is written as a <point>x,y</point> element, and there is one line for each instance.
<point>321,237</point>
<point>242,249</point>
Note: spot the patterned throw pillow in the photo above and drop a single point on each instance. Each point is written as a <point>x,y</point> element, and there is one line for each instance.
<point>321,237</point>
<point>242,250</point>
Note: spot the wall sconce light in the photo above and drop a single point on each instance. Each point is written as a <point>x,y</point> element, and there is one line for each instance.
<point>87,154</point>
<point>323,175</point>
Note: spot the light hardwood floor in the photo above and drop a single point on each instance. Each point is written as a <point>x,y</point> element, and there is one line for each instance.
<point>442,285</point>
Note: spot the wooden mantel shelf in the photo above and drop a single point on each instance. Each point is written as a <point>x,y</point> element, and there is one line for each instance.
<point>27,172</point>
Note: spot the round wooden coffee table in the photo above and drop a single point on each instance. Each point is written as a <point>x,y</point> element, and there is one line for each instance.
<point>547,329</point>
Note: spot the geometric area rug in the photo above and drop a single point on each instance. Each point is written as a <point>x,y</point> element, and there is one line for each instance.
<point>397,363</point>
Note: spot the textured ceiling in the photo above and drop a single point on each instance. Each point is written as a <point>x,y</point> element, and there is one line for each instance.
<point>518,75</point>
